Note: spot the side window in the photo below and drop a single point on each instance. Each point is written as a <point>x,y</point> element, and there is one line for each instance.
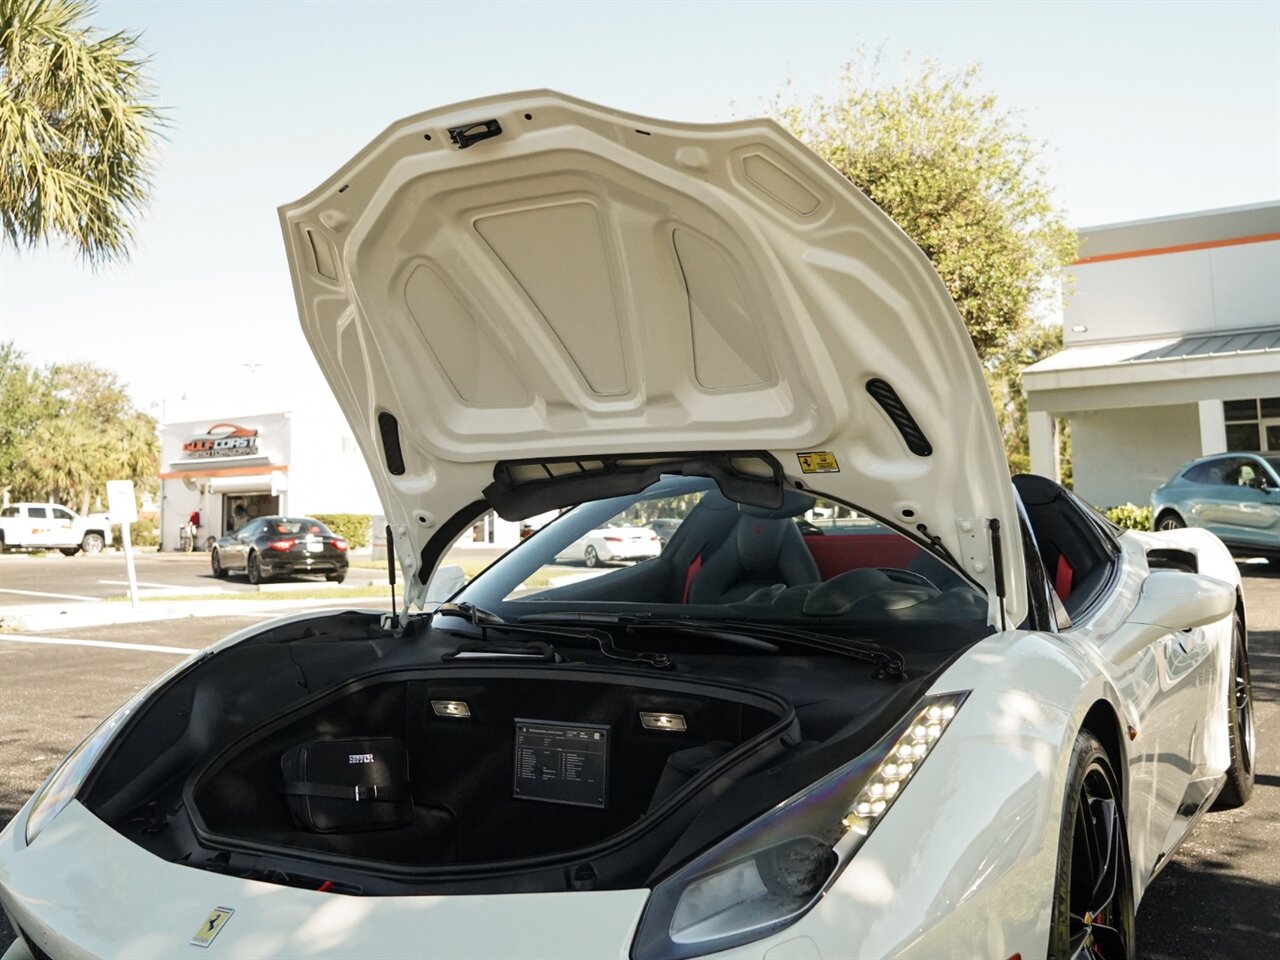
<point>37,513</point>
<point>1077,558</point>
<point>9,512</point>
<point>1203,473</point>
<point>252,530</point>
<point>61,514</point>
<point>1227,471</point>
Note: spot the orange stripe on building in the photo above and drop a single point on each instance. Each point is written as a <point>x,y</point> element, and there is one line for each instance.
<point>261,471</point>
<point>1180,248</point>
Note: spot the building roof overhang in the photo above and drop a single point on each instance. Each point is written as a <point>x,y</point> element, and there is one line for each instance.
<point>1227,365</point>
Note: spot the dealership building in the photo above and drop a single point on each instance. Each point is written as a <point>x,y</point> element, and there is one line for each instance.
<point>236,467</point>
<point>1171,350</point>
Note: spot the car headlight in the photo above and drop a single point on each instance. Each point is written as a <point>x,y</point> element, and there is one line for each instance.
<point>64,783</point>
<point>772,871</point>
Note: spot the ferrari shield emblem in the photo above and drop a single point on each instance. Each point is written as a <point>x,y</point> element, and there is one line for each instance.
<point>212,925</point>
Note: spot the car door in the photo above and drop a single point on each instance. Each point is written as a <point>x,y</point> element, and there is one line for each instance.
<point>1212,502</point>
<point>39,527</point>
<point>1165,684</point>
<point>241,541</point>
<point>62,527</point>
<point>1251,510</point>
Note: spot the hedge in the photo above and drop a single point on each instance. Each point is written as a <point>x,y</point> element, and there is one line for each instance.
<point>355,527</point>
<point>1130,516</point>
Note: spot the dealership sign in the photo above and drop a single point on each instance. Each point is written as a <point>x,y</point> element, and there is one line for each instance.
<point>221,440</point>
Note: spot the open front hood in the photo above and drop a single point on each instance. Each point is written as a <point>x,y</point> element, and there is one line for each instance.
<point>531,277</point>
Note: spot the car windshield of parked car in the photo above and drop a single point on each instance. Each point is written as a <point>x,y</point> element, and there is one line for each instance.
<point>297,526</point>
<point>810,561</point>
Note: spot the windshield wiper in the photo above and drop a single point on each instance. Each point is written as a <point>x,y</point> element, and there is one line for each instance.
<point>755,635</point>
<point>486,620</point>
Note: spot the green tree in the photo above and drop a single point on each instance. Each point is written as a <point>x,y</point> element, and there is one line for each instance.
<point>76,129</point>
<point>24,402</point>
<point>963,179</point>
<point>68,429</point>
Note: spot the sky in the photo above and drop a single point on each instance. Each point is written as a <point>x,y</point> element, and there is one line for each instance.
<point>1145,110</point>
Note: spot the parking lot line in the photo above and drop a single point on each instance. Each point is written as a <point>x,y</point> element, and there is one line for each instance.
<point>58,596</point>
<point>144,583</point>
<point>111,644</point>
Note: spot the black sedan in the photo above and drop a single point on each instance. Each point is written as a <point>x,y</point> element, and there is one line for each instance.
<point>277,546</point>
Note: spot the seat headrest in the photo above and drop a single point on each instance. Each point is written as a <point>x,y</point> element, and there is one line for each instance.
<point>794,503</point>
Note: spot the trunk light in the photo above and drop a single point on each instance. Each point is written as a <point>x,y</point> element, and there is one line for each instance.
<point>281,545</point>
<point>451,708</point>
<point>669,722</point>
<point>339,543</point>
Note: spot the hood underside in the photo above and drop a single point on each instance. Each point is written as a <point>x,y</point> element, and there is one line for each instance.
<point>534,280</point>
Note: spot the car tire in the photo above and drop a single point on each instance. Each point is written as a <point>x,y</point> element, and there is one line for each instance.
<point>335,577</point>
<point>590,557</point>
<point>253,569</point>
<point>1093,908</point>
<point>1169,521</point>
<point>1240,727</point>
<point>92,543</point>
<point>215,564</point>
<point>68,551</point>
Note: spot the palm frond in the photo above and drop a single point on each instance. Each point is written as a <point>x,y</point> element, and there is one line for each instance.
<point>77,130</point>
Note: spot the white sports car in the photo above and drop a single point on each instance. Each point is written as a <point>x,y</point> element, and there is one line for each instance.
<point>610,544</point>
<point>979,728</point>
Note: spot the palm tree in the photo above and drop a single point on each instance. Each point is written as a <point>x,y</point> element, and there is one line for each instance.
<point>76,130</point>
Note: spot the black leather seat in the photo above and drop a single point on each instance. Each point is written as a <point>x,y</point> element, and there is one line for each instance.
<point>764,549</point>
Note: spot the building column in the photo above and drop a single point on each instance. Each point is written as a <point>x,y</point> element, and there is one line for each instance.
<point>1043,434</point>
<point>1213,428</point>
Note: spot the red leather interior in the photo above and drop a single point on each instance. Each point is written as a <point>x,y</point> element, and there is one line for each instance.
<point>836,553</point>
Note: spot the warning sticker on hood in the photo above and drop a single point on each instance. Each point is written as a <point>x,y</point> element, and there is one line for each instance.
<point>819,461</point>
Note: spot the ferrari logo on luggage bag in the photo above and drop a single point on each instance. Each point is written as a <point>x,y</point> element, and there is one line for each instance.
<point>212,925</point>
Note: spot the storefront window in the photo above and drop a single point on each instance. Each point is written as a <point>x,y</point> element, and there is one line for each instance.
<point>1252,424</point>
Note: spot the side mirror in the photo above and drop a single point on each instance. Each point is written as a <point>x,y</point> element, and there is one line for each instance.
<point>1170,601</point>
<point>444,583</point>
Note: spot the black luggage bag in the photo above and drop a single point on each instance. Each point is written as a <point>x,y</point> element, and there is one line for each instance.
<point>344,785</point>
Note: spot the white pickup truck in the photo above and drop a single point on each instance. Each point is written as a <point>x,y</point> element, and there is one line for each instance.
<point>48,526</point>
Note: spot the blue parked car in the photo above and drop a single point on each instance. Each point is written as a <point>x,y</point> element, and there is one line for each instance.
<point>1235,495</point>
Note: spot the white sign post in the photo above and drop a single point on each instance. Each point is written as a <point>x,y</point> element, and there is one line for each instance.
<point>123,510</point>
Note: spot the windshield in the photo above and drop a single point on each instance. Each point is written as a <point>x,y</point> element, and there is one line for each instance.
<point>298,525</point>
<point>812,562</point>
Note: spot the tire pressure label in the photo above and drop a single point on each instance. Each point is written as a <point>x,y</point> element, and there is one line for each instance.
<point>561,763</point>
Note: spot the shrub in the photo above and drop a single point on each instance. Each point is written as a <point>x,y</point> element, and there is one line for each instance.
<point>1130,516</point>
<point>144,533</point>
<point>354,527</point>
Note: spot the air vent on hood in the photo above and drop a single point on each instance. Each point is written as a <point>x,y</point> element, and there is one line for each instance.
<point>892,404</point>
<point>390,429</point>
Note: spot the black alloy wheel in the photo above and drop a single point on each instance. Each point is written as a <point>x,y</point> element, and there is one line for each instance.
<point>215,564</point>
<point>1093,911</point>
<point>1169,521</point>
<point>1241,734</point>
<point>592,558</point>
<point>253,569</point>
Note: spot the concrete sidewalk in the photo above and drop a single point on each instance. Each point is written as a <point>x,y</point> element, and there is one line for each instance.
<point>38,617</point>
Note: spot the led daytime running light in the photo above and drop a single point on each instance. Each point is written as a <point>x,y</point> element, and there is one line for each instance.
<point>899,765</point>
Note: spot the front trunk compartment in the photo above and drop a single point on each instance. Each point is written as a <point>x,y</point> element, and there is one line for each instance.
<point>195,776</point>
<point>463,770</point>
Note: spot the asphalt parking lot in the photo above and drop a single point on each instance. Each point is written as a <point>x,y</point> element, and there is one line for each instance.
<point>1219,897</point>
